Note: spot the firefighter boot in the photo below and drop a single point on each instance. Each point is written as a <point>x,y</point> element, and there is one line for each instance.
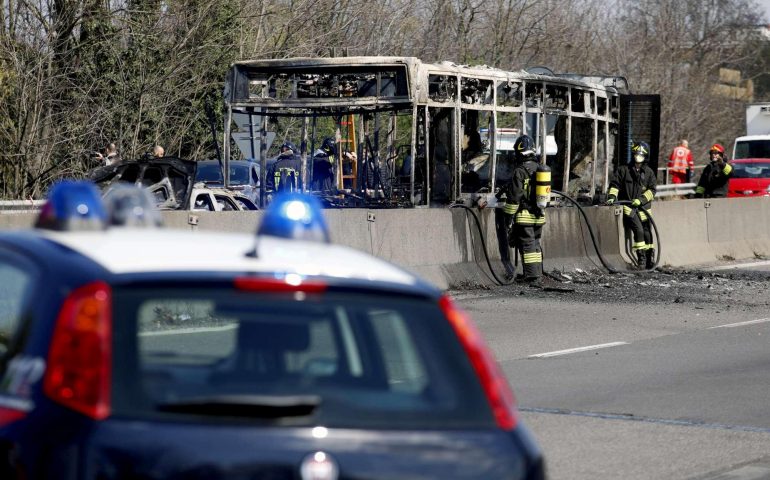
<point>650,260</point>
<point>641,258</point>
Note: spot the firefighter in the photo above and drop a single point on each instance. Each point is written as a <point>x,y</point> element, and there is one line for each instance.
<point>635,183</point>
<point>522,212</point>
<point>713,181</point>
<point>323,173</point>
<point>283,174</point>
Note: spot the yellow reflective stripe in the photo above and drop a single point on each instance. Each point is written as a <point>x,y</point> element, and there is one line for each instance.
<point>700,190</point>
<point>728,168</point>
<point>648,195</point>
<point>536,257</point>
<point>614,192</point>
<point>510,208</point>
<point>639,245</point>
<point>626,210</point>
<point>526,218</point>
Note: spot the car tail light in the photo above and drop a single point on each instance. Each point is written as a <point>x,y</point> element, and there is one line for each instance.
<point>289,284</point>
<point>493,381</point>
<point>10,415</point>
<point>79,358</point>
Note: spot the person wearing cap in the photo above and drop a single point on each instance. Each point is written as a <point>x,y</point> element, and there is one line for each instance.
<point>713,181</point>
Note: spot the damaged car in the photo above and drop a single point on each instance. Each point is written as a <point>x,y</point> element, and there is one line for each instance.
<point>171,183</point>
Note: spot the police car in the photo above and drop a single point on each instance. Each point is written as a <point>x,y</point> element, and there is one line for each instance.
<point>137,352</point>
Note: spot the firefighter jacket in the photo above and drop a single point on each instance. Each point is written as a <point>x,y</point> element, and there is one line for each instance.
<point>520,195</point>
<point>713,181</point>
<point>636,185</point>
<point>283,174</point>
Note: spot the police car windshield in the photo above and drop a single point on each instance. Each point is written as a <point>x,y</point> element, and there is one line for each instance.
<point>369,360</point>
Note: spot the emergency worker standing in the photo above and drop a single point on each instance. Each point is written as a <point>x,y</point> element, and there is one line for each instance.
<point>635,183</point>
<point>521,211</point>
<point>680,163</point>
<point>324,160</point>
<point>283,174</point>
<point>713,181</point>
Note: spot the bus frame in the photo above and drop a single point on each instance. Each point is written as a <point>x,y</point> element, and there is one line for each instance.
<point>443,101</point>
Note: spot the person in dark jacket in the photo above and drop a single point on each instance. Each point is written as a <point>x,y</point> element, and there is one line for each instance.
<point>324,160</point>
<point>716,175</point>
<point>284,174</point>
<point>635,183</point>
<point>521,210</point>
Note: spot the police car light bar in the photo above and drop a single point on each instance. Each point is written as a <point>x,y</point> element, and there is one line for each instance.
<point>295,216</point>
<point>73,205</point>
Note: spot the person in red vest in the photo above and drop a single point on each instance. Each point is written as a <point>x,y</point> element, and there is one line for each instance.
<point>680,163</point>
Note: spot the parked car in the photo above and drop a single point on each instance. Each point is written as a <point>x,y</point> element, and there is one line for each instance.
<point>244,176</point>
<point>154,354</point>
<point>170,181</point>
<point>751,178</point>
<point>219,200</point>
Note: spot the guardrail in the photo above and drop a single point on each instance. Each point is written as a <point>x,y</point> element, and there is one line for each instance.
<point>20,205</point>
<point>674,190</point>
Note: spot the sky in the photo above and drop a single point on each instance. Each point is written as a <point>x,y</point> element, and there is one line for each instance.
<point>765,4</point>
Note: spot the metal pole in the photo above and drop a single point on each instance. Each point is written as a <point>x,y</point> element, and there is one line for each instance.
<point>413,153</point>
<point>303,166</point>
<point>263,159</point>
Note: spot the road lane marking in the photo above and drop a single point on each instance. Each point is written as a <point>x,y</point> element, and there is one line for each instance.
<point>183,331</point>
<point>577,350</point>
<point>635,418</point>
<point>736,266</point>
<point>741,324</point>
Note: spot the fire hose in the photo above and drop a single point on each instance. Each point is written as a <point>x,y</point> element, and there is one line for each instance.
<point>594,241</point>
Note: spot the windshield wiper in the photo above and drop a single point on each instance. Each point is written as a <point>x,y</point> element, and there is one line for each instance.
<point>260,406</point>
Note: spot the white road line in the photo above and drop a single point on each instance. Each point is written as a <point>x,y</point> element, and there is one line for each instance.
<point>182,331</point>
<point>576,350</point>
<point>741,324</point>
<point>737,265</point>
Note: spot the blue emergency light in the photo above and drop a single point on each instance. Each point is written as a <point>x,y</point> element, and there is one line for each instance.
<point>73,205</point>
<point>295,216</point>
<point>129,205</point>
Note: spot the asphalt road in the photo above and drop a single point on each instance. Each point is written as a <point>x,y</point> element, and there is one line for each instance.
<point>639,376</point>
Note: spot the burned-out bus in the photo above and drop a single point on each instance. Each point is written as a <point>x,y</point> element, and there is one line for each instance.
<point>410,133</point>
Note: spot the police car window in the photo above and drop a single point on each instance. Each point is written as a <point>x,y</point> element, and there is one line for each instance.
<point>184,331</point>
<point>370,360</point>
<point>14,285</point>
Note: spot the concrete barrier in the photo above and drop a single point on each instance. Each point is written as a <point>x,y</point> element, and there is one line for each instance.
<point>445,246</point>
<point>681,225</point>
<point>738,228</point>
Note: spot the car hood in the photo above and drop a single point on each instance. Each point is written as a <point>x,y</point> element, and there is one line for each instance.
<point>170,180</point>
<point>748,186</point>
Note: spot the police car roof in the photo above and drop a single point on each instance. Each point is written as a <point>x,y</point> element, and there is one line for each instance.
<point>164,250</point>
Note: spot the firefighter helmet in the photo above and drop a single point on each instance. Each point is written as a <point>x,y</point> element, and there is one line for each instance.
<point>717,148</point>
<point>524,147</point>
<point>329,146</point>
<point>640,151</point>
<point>288,146</point>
